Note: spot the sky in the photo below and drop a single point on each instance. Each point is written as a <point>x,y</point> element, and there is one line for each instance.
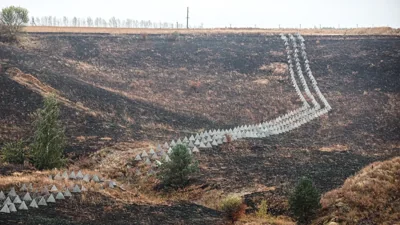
<point>224,13</point>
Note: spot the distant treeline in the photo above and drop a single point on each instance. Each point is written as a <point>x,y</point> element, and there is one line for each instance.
<point>100,22</point>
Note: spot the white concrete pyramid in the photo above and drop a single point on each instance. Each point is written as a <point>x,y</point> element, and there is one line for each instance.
<point>76,189</point>
<point>169,150</point>
<point>12,192</point>
<point>208,145</point>
<point>225,139</point>
<point>12,207</point>
<point>72,175</point>
<point>191,145</point>
<point>2,196</point>
<point>185,140</point>
<point>67,193</point>
<point>152,152</point>
<point>60,196</point>
<point>219,141</point>
<point>65,175</point>
<point>191,138</point>
<point>195,149</point>
<point>7,201</point>
<point>23,206</point>
<point>5,209</point>
<point>154,157</point>
<point>17,200</point>
<point>197,142</point>
<point>45,191</point>
<point>23,188</point>
<point>110,184</point>
<point>172,143</point>
<point>147,162</point>
<point>167,159</point>
<point>197,136</point>
<point>86,178</point>
<point>33,204</point>
<point>58,177</point>
<point>53,188</point>
<point>214,143</point>
<point>83,188</point>
<point>79,175</point>
<point>158,148</point>
<point>166,146</point>
<point>202,145</point>
<point>27,197</point>
<point>179,142</point>
<point>138,158</point>
<point>96,179</point>
<point>51,199</point>
<point>161,153</point>
<point>42,201</point>
<point>144,154</point>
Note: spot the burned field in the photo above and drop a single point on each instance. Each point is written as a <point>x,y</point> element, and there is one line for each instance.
<point>155,88</point>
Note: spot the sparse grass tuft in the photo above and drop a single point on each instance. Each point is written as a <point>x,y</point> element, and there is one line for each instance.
<point>233,208</point>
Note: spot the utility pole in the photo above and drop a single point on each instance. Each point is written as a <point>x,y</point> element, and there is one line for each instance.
<point>187,18</point>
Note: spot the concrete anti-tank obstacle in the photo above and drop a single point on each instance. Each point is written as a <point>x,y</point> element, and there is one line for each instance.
<point>5,209</point>
<point>67,193</point>
<point>83,188</point>
<point>45,191</point>
<point>42,201</point>
<point>23,188</point>
<point>76,189</point>
<point>27,197</point>
<point>53,188</point>
<point>86,178</point>
<point>2,196</point>
<point>72,175</point>
<point>147,162</point>
<point>33,204</point>
<point>202,145</point>
<point>12,192</point>
<point>179,142</point>
<point>23,206</point>
<point>195,150</point>
<point>154,157</point>
<point>65,175</point>
<point>138,158</point>
<point>208,145</point>
<point>12,207</point>
<point>152,152</point>
<point>7,201</point>
<point>169,150</point>
<point>95,178</point>
<point>17,200</point>
<point>167,159</point>
<point>197,142</point>
<point>166,146</point>
<point>185,140</point>
<point>192,138</point>
<point>144,154</point>
<point>79,175</point>
<point>51,199</point>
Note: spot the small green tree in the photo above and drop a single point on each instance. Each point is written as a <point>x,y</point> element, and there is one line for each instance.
<point>14,152</point>
<point>304,201</point>
<point>12,20</point>
<point>176,173</point>
<point>49,139</point>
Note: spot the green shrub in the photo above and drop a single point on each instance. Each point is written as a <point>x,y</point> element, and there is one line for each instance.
<point>262,209</point>
<point>49,139</point>
<point>233,208</point>
<point>176,173</point>
<point>14,152</point>
<point>304,201</point>
<point>12,19</point>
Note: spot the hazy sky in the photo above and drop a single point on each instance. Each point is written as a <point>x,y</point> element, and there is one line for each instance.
<point>217,13</point>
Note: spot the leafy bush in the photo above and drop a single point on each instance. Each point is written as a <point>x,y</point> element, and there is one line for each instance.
<point>233,208</point>
<point>49,139</point>
<point>12,19</point>
<point>262,209</point>
<point>304,201</point>
<point>14,152</point>
<point>176,173</point>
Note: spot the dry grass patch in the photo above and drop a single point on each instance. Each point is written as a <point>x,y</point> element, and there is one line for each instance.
<point>373,195</point>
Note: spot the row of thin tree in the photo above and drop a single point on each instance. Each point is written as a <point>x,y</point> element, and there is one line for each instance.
<point>100,22</point>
